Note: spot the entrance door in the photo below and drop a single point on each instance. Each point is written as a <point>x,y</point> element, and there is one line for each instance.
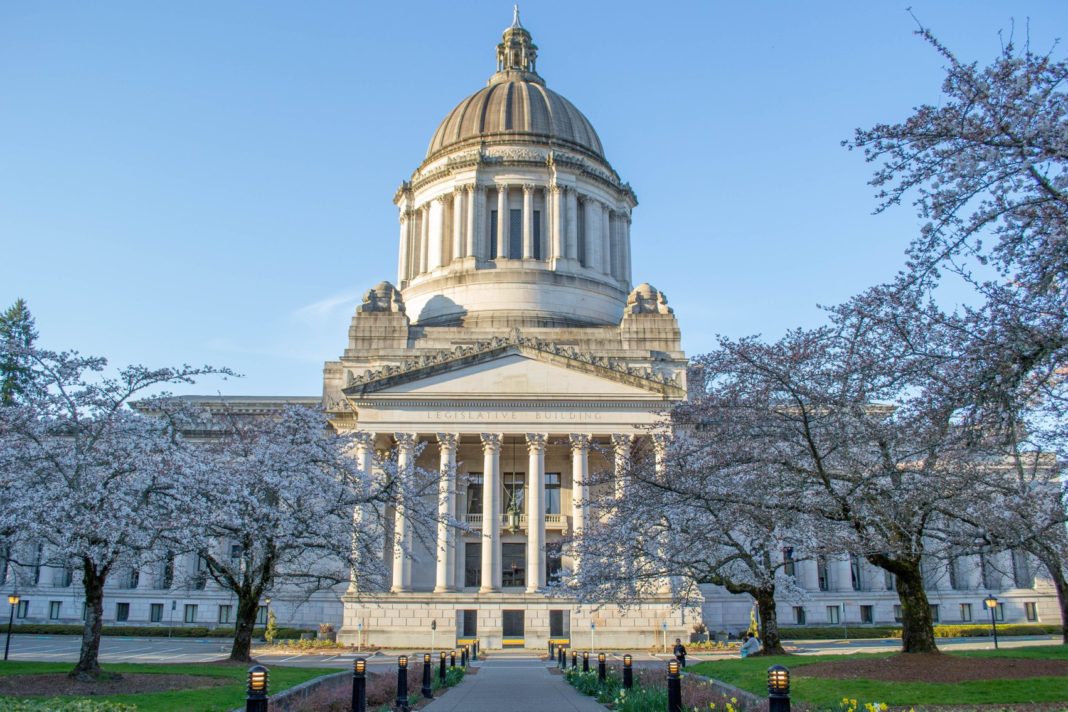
<point>512,629</point>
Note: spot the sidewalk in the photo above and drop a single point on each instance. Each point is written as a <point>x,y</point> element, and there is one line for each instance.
<point>514,682</point>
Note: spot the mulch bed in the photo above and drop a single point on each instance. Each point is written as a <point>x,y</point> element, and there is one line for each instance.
<point>934,667</point>
<point>51,684</point>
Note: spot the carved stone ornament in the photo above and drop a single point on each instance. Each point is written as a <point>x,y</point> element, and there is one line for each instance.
<point>647,299</point>
<point>384,298</point>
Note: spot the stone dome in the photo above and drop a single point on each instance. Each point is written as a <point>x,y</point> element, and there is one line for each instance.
<point>516,106</point>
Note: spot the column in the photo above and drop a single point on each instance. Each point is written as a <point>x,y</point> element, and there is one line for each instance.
<point>481,224</point>
<point>621,445</point>
<point>557,196</point>
<point>606,240</point>
<point>874,577</point>
<point>401,532</point>
<point>809,577</point>
<point>841,578</point>
<point>365,456</point>
<point>458,223</point>
<point>624,245</point>
<point>580,464</point>
<point>402,258</point>
<point>528,221</point>
<point>660,446</point>
<point>470,208</point>
<point>536,511</point>
<point>424,238</point>
<point>437,233</point>
<point>446,509</point>
<point>502,222</point>
<point>970,573</point>
<point>593,234</point>
<point>491,512</point>
<point>571,221</point>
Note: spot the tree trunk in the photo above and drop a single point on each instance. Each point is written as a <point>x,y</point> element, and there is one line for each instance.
<point>917,626</point>
<point>88,667</point>
<point>1055,568</point>
<point>769,623</point>
<point>248,605</point>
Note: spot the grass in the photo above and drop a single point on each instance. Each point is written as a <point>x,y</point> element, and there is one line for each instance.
<point>209,699</point>
<point>751,674</point>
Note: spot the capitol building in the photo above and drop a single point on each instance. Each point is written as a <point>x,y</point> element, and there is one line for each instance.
<point>514,353</point>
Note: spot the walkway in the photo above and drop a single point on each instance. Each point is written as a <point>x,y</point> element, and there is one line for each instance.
<point>514,682</point>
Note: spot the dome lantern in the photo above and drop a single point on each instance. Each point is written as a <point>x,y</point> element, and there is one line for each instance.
<point>516,53</point>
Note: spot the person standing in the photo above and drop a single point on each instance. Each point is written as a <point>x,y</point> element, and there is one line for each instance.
<point>680,652</point>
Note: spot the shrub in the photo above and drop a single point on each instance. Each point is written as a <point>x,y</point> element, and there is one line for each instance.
<point>271,631</point>
<point>9,705</point>
<point>146,631</point>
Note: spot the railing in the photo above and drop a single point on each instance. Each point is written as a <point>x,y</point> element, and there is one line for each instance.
<point>552,521</point>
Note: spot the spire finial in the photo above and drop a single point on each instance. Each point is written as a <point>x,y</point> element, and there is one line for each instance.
<point>515,16</point>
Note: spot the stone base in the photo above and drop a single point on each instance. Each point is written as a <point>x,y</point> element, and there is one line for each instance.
<point>403,620</point>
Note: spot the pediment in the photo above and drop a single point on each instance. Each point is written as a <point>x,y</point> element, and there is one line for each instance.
<point>511,368</point>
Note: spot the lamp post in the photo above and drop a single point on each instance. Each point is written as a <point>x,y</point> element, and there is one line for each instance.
<point>663,627</point>
<point>427,690</point>
<point>778,689</point>
<point>628,672</point>
<point>13,601</point>
<point>402,682</point>
<point>359,685</point>
<point>991,602</point>
<point>674,686</point>
<point>601,668</point>
<point>256,700</point>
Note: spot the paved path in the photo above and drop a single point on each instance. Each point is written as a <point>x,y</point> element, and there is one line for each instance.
<point>514,682</point>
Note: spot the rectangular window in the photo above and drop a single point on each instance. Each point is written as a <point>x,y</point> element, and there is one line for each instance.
<point>166,579</point>
<point>155,613</point>
<point>190,613</point>
<point>553,561</point>
<point>226,614</point>
<point>537,234</point>
<point>821,573</point>
<point>513,565</point>
<point>552,492</point>
<point>53,610</point>
<point>1021,571</point>
<point>472,563</point>
<point>512,624</point>
<point>934,612</point>
<point>1031,611</point>
<point>788,566</point>
<point>474,493</point>
<point>469,627</point>
<point>559,624</point>
<point>515,234</point>
<point>63,577</point>
<point>855,573</point>
<point>897,613</point>
<point>867,614</point>
<point>261,615</point>
<point>200,578</point>
<point>799,615</point>
<point>890,581</point>
<point>122,612</point>
<point>493,235</point>
<point>23,609</point>
<point>965,612</point>
<point>954,579</point>
<point>580,232</point>
<point>999,612</point>
<point>832,614</point>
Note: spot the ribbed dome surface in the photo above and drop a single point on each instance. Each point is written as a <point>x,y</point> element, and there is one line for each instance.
<point>516,108</point>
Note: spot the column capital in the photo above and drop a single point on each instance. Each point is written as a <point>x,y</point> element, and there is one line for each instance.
<point>363,439</point>
<point>405,215</point>
<point>406,440</point>
<point>491,441</point>
<point>536,441</point>
<point>622,442</point>
<point>528,188</point>
<point>470,187</point>
<point>442,198</point>
<point>557,188</point>
<point>448,441</point>
<point>579,441</point>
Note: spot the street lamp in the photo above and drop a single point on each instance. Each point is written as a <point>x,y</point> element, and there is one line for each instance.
<point>778,689</point>
<point>402,682</point>
<point>674,686</point>
<point>256,700</point>
<point>991,602</point>
<point>359,685</point>
<point>13,600</point>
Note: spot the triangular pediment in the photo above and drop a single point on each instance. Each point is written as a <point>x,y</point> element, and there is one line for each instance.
<point>510,368</point>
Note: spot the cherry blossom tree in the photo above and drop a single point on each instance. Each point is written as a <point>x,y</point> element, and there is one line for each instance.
<point>97,484</point>
<point>281,506</point>
<point>692,511</point>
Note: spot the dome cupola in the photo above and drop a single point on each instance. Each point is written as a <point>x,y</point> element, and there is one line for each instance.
<point>515,216</point>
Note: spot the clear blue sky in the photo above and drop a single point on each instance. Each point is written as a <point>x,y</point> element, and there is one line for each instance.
<point>211,182</point>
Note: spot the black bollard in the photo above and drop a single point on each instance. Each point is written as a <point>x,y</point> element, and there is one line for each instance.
<point>561,658</point>
<point>674,686</point>
<point>778,689</point>
<point>552,649</point>
<point>257,689</point>
<point>359,685</point>
<point>601,672</point>
<point>402,683</point>
<point>452,658</point>
<point>441,669</point>
<point>585,661</point>
<point>574,659</point>
<point>428,690</point>
<point>628,672</point>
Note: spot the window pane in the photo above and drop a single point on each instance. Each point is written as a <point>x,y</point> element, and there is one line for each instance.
<point>515,234</point>
<point>552,493</point>
<point>965,612</point>
<point>514,487</point>
<point>474,493</point>
<point>155,614</point>
<point>493,235</point>
<point>473,563</point>
<point>513,564</point>
<point>537,234</point>
<point>122,612</point>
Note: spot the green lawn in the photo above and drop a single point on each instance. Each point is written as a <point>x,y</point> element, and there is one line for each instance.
<point>751,674</point>
<point>209,699</point>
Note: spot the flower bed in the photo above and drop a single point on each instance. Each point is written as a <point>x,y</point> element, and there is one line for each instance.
<point>650,691</point>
